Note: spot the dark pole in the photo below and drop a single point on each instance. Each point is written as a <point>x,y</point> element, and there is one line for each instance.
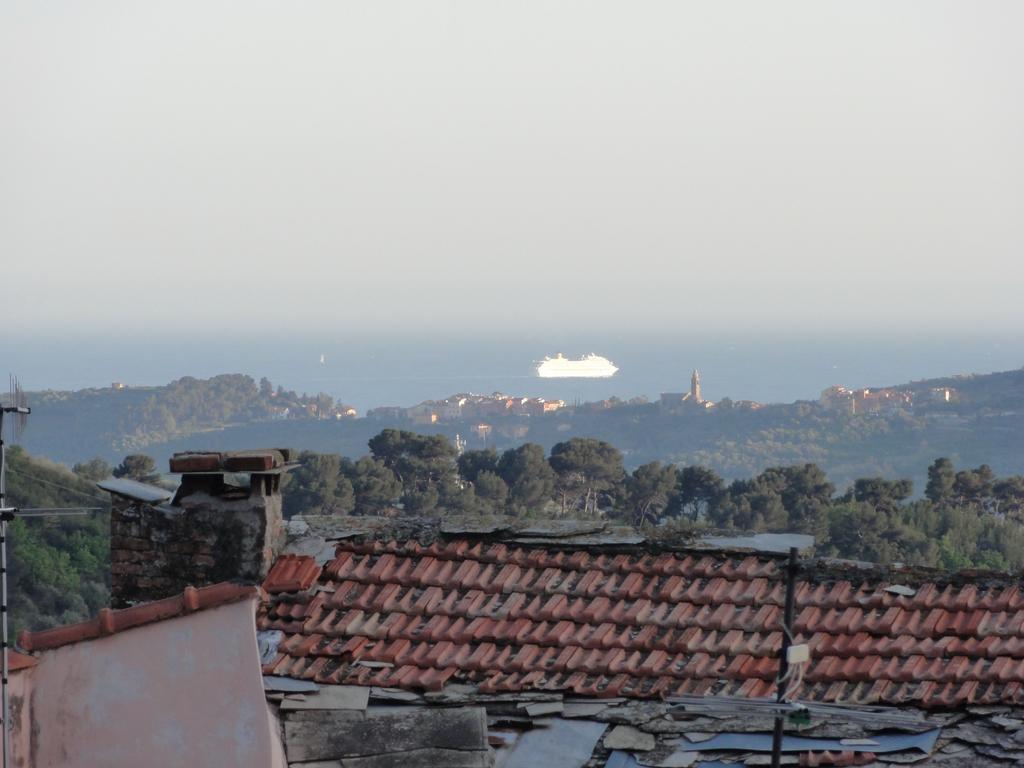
<point>6,515</point>
<point>792,568</point>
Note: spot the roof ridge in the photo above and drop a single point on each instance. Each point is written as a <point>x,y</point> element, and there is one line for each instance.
<point>110,621</point>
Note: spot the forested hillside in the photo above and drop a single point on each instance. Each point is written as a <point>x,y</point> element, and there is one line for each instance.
<point>109,422</point>
<point>969,517</point>
<point>984,423</point>
<point>59,566</point>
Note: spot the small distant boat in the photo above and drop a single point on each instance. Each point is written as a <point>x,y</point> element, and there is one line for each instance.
<point>322,359</point>
<point>589,367</point>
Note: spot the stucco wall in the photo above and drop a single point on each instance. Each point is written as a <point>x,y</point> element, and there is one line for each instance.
<point>20,686</point>
<point>182,692</point>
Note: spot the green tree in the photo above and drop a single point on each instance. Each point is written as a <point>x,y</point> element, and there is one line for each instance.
<point>698,489</point>
<point>881,493</point>
<point>866,530</point>
<point>794,498</point>
<point>320,485</point>
<point>1009,493</point>
<point>472,463</point>
<point>941,476</point>
<point>529,477</point>
<point>586,469</point>
<point>648,490</point>
<point>974,486</point>
<point>137,466</point>
<point>59,568</point>
<point>376,487</point>
<point>419,461</point>
<point>746,509</point>
<point>94,469</point>
<point>492,492</point>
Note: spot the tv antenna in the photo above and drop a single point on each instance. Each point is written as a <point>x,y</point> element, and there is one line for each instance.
<point>17,409</point>
<point>793,658</point>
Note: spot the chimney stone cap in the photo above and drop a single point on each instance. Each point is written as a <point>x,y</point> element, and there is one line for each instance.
<point>263,461</point>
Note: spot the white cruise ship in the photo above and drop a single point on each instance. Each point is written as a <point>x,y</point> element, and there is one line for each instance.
<point>589,367</point>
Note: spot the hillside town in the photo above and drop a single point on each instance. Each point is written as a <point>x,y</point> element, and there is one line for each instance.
<point>467,406</point>
<point>887,400</point>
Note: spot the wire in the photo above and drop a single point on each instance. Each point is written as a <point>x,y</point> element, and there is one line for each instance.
<point>57,485</point>
<point>797,683</point>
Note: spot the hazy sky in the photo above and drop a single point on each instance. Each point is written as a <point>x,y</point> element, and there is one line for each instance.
<point>416,165</point>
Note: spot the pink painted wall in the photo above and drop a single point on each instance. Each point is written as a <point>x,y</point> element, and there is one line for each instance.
<point>182,692</point>
<point>277,757</point>
<point>21,729</point>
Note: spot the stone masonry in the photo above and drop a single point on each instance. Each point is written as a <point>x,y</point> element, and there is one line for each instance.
<point>217,527</point>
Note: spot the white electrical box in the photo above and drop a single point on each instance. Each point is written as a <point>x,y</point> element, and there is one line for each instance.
<point>798,654</point>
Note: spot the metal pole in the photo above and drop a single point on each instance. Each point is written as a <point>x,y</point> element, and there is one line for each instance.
<point>792,568</point>
<point>4,514</point>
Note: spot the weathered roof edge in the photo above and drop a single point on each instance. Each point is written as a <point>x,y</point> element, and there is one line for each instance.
<point>18,661</point>
<point>603,536</point>
<point>110,621</point>
<point>575,533</point>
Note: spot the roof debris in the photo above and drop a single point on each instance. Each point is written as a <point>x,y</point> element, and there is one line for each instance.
<point>332,697</point>
<point>628,737</point>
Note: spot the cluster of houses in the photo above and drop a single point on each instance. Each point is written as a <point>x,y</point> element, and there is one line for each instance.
<point>887,400</point>
<point>321,407</point>
<point>467,406</point>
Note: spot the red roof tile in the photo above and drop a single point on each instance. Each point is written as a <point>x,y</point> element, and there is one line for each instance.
<point>604,625</point>
<point>291,573</point>
<point>110,621</point>
<point>16,661</point>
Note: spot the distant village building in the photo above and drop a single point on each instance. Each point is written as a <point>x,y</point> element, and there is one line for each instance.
<point>671,401</point>
<point>863,401</point>
<point>468,406</point>
<point>386,413</point>
<point>424,413</point>
<point>837,397</point>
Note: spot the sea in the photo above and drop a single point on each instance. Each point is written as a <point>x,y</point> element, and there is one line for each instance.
<point>370,370</point>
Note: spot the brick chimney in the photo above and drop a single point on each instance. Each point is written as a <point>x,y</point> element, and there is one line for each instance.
<point>222,523</point>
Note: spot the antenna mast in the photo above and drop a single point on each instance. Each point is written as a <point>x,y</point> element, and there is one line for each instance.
<point>19,410</point>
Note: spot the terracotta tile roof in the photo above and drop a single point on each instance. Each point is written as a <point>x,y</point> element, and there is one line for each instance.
<point>291,573</point>
<point>16,661</point>
<point>110,621</point>
<point>513,618</point>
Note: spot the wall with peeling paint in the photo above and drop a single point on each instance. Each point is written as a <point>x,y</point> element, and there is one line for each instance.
<point>185,691</point>
<point>21,728</point>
